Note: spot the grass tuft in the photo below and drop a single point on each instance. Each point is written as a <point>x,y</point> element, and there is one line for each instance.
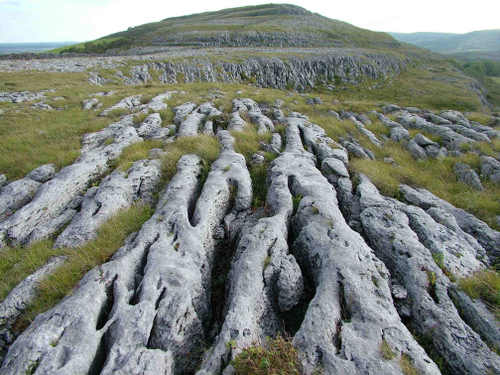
<point>278,356</point>
<point>486,286</point>
<point>17,263</point>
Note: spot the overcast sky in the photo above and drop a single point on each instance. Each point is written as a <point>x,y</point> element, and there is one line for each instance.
<point>81,20</point>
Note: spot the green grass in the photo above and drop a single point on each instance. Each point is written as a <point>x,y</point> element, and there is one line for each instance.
<point>437,176</point>
<point>486,286</point>
<point>277,356</point>
<point>17,263</point>
<point>135,152</point>
<point>387,352</point>
<point>407,366</point>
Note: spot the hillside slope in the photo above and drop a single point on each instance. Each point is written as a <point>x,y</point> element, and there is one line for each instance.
<point>271,25</point>
<point>477,41</point>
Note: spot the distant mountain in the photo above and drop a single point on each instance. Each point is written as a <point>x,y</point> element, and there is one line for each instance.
<point>271,25</point>
<point>485,42</point>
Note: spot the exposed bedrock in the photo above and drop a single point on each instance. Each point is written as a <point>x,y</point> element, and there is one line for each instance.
<point>352,311</point>
<point>19,298</point>
<point>456,218</point>
<point>290,72</point>
<point>51,206</point>
<point>117,191</point>
<point>146,311</point>
<point>405,239</point>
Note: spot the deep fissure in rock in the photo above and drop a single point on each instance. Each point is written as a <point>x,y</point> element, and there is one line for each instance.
<point>223,255</point>
<point>139,274</point>
<point>107,307</point>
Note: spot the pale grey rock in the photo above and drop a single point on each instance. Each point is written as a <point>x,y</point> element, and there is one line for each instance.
<point>129,104</point>
<point>373,139</point>
<point>89,104</point>
<point>290,284</point>
<point>22,96</point>
<point>429,309</point>
<point>158,104</point>
<point>334,166</point>
<point>389,108</point>
<point>488,238</point>
<point>15,195</point>
<point>453,116</point>
<point>435,119</point>
<point>467,175</point>
<point>415,150</point>
<point>257,159</point>
<point>358,151</point>
<point>125,303</point>
<point>116,192</point>
<point>490,167</point>
<point>182,111</point>
<point>236,122</point>
<point>334,114</point>
<point>423,141</point>
<point>19,299</point>
<point>319,227</point>
<point>451,139</point>
<point>43,173</point>
<point>413,109</point>
<point>43,106</point>
<point>150,126</point>
<point>398,133</point>
<point>3,180</point>
<point>49,204</point>
<point>208,128</point>
<point>478,315</point>
<point>364,119</point>
<point>191,125</point>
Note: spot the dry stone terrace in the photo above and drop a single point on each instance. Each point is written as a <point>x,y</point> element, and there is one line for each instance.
<point>328,259</point>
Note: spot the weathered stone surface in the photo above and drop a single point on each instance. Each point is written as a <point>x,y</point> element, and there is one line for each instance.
<point>398,133</point>
<point>373,139</point>
<point>389,108</point>
<point>415,150</point>
<point>43,173</point>
<point>42,215</point>
<point>490,168</point>
<point>15,195</point>
<point>89,104</point>
<point>128,104</point>
<point>467,175</point>
<point>149,329</point>
<point>344,332</point>
<point>117,191</point>
<point>488,238</point>
<point>428,308</point>
<point>19,298</point>
<point>3,180</point>
<point>22,96</point>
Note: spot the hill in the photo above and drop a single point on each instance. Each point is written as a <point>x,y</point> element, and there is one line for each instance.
<point>271,25</point>
<point>480,42</point>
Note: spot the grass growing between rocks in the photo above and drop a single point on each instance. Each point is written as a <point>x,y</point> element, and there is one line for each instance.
<point>17,263</point>
<point>247,144</point>
<point>486,286</point>
<point>437,176</point>
<point>111,237</point>
<point>277,356</point>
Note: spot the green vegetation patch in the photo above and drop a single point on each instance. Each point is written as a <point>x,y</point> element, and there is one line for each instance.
<point>486,286</point>
<point>277,356</point>
<point>17,263</point>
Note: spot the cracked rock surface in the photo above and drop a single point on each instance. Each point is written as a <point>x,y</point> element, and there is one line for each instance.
<point>346,272</point>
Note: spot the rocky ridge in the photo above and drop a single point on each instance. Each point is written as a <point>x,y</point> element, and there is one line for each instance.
<point>330,260</point>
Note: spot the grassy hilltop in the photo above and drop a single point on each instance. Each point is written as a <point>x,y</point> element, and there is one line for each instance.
<point>263,25</point>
